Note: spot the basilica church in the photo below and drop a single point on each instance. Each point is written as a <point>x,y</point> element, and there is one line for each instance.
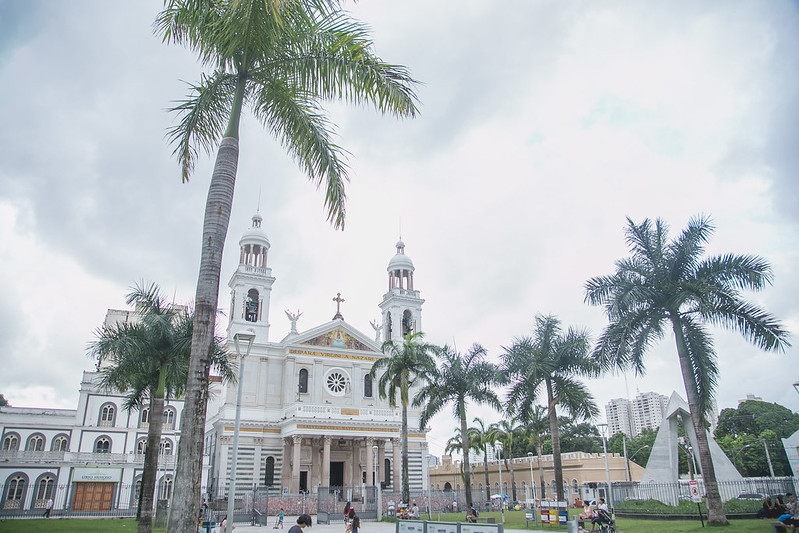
<point>310,415</point>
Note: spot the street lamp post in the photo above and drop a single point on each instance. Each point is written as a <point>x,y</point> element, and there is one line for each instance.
<point>377,483</point>
<point>248,337</point>
<point>737,454</point>
<point>532,481</point>
<point>603,427</point>
<point>498,448</point>
<point>626,461</point>
<point>796,386</point>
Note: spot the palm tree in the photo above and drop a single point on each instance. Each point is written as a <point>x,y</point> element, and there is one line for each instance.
<point>148,359</point>
<point>670,283</point>
<point>406,363</point>
<point>536,423</point>
<point>506,432</point>
<point>280,58</point>
<point>552,361</point>
<point>455,444</point>
<point>461,378</point>
<point>486,436</point>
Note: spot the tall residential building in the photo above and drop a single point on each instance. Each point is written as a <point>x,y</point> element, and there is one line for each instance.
<point>618,413</point>
<point>648,409</point>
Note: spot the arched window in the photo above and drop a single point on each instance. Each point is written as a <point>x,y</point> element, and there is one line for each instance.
<point>480,488</point>
<point>44,490</point>
<point>15,491</point>
<point>35,443</point>
<point>367,386</point>
<point>251,306</point>
<point>102,445</point>
<point>60,443</point>
<point>144,417</point>
<point>387,471</point>
<point>303,385</point>
<point>496,487</point>
<point>11,442</point>
<point>166,447</point>
<point>524,490</point>
<point>166,487</point>
<point>269,471</point>
<point>407,322</point>
<point>554,488</point>
<point>575,488</point>
<point>169,418</point>
<point>447,487</point>
<point>141,446</point>
<point>136,492</point>
<point>107,414</point>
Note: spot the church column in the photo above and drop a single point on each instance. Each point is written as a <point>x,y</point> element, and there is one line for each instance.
<point>356,463</point>
<point>395,448</point>
<point>285,471</point>
<point>381,461</point>
<point>326,460</point>
<point>369,461</point>
<point>315,475</point>
<point>295,467</point>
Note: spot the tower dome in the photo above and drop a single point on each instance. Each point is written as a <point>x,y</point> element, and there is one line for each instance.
<point>400,261</point>
<point>255,236</point>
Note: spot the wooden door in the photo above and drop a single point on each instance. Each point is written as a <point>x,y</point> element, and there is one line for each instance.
<point>93,496</point>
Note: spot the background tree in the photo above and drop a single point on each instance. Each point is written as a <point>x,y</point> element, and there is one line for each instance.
<point>548,364</point>
<point>3,402</point>
<point>670,283</point>
<point>485,436</point>
<point>578,436</point>
<point>148,360</point>
<point>455,445</point>
<point>747,426</point>
<point>460,378</point>
<point>405,365</point>
<point>535,424</point>
<point>280,58</point>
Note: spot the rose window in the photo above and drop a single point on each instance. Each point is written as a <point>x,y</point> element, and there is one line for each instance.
<point>337,383</point>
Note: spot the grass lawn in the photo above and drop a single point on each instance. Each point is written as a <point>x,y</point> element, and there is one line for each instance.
<point>70,525</point>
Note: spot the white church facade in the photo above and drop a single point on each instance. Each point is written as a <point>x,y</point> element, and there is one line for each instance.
<point>310,415</point>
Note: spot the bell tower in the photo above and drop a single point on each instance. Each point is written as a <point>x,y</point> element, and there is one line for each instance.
<point>251,284</point>
<point>401,306</point>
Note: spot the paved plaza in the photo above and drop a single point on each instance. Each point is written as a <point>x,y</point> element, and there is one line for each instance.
<point>367,526</point>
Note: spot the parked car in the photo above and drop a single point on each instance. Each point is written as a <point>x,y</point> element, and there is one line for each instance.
<point>751,496</point>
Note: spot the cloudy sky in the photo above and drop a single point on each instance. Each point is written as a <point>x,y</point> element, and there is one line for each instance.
<point>543,125</point>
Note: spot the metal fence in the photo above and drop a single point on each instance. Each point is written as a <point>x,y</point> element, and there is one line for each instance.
<point>17,500</point>
<point>331,502</point>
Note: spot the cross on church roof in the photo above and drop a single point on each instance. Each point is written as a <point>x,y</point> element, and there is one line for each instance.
<point>338,299</point>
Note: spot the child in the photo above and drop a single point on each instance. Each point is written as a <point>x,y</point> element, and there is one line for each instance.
<point>355,521</point>
<point>279,521</point>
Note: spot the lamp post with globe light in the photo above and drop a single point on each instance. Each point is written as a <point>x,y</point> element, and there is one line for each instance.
<point>532,481</point>
<point>249,338</point>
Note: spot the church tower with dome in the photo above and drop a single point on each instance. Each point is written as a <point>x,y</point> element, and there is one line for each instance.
<point>401,305</point>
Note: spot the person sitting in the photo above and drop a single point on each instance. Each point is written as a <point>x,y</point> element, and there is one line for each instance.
<point>601,516</point>
<point>769,509</point>
<point>470,516</point>
<point>588,511</point>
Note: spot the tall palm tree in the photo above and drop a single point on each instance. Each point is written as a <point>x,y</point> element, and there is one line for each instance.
<point>460,378</point>
<point>403,367</point>
<point>280,58</point>
<point>550,360</point>
<point>455,444</point>
<point>148,359</point>
<point>506,433</point>
<point>486,436</point>
<point>669,283</point>
<point>536,423</point>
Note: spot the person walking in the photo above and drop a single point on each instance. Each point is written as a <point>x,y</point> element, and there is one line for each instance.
<point>303,521</point>
<point>48,508</point>
<point>355,521</point>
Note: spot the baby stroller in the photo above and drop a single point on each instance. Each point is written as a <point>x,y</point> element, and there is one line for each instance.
<point>603,522</point>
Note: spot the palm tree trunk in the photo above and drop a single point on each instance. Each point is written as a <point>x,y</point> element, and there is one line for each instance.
<point>487,495</point>
<point>467,475</point>
<point>154,429</point>
<point>540,450</point>
<point>406,485</point>
<point>557,466</point>
<point>188,471</point>
<point>510,467</point>
<point>715,508</point>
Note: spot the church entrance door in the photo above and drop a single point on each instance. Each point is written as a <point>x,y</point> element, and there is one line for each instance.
<point>336,474</point>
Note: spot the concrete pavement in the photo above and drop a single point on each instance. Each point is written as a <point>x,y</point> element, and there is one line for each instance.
<point>367,526</point>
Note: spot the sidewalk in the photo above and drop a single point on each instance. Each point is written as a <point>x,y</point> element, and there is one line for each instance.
<point>367,526</point>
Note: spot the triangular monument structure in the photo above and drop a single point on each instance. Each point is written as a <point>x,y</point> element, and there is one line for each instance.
<point>662,464</point>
